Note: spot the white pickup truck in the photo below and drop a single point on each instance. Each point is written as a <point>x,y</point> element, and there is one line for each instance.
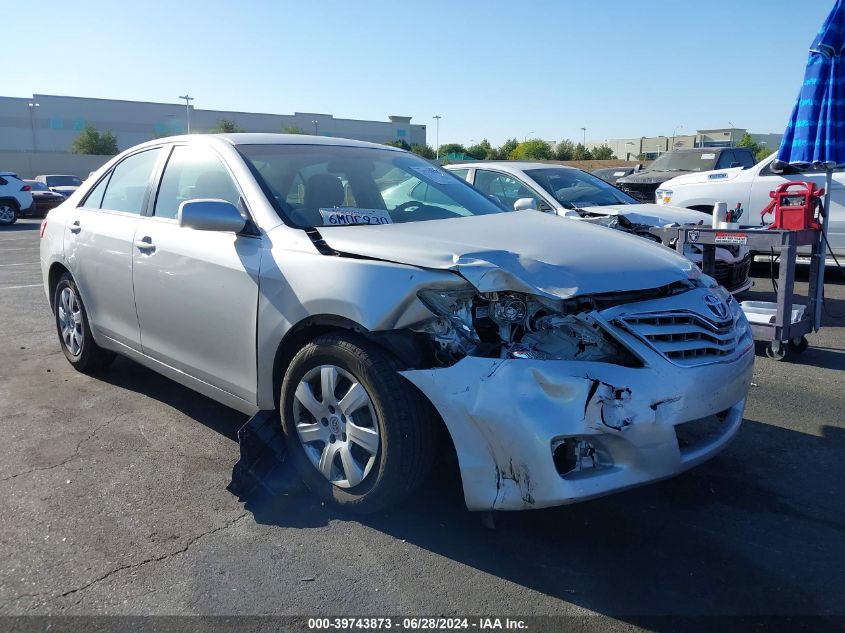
<point>751,187</point>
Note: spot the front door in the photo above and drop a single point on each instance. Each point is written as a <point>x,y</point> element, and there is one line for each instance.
<point>197,291</point>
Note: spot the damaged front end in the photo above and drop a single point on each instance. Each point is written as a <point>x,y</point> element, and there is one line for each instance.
<point>551,401</point>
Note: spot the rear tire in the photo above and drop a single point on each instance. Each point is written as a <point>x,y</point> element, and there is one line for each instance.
<point>390,443</point>
<point>8,213</point>
<point>74,331</point>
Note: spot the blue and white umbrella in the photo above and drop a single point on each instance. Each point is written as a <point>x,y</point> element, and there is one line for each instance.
<point>815,134</point>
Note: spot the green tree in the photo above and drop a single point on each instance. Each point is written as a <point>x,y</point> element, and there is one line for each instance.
<point>565,150</point>
<point>398,143</point>
<point>225,126</point>
<point>452,148</point>
<point>602,152</point>
<point>761,153</point>
<point>581,153</point>
<point>292,129</point>
<point>504,152</point>
<point>90,141</point>
<point>423,150</point>
<point>482,150</point>
<point>532,149</point>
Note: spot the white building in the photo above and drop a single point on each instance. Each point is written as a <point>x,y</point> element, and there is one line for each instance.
<point>50,123</point>
<point>650,147</point>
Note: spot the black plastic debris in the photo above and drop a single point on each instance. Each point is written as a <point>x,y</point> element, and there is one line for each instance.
<point>262,470</point>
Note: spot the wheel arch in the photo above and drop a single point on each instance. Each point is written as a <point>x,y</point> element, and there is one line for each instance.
<point>57,269</point>
<point>11,200</point>
<point>402,348</point>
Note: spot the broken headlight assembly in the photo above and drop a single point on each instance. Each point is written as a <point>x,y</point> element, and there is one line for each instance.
<point>516,325</point>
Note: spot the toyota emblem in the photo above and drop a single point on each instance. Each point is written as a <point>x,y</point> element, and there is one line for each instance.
<point>716,306</point>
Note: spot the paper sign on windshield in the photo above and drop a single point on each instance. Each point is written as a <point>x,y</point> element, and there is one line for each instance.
<point>708,156</point>
<point>436,175</point>
<point>343,216</point>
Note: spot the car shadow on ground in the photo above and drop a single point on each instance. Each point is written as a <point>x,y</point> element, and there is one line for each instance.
<point>718,540</point>
<point>699,544</point>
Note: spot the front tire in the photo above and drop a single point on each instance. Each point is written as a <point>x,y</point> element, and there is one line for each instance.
<point>8,213</point>
<point>74,330</point>
<point>360,436</point>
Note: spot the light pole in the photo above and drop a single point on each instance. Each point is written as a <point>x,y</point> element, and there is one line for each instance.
<point>32,107</point>
<point>584,130</point>
<point>627,152</point>
<point>677,127</point>
<point>315,122</point>
<point>188,100</point>
<point>437,118</point>
<point>732,133</point>
<point>525,137</point>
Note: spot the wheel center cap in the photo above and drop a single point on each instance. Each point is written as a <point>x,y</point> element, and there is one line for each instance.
<point>335,424</point>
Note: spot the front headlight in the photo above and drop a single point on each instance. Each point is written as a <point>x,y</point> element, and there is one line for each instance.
<point>663,196</point>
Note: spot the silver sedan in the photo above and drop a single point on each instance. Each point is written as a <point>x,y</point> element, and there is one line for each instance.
<point>560,361</point>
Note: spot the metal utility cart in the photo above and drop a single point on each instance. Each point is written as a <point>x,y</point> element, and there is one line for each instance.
<point>785,332</point>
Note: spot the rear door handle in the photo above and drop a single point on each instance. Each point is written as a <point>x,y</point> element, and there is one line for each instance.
<point>145,244</point>
<point>75,227</point>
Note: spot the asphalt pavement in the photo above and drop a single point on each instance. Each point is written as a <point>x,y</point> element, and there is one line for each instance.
<point>114,502</point>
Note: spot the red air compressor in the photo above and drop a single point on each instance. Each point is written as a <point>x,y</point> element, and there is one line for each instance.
<point>796,206</point>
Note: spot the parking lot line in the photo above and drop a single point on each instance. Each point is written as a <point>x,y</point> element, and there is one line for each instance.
<point>18,287</point>
<point>19,264</point>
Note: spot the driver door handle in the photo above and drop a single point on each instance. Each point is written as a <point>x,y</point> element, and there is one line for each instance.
<point>145,244</point>
<point>75,227</point>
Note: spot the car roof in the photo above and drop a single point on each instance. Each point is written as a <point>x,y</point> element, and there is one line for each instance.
<point>261,138</point>
<point>506,165</point>
<point>8,173</point>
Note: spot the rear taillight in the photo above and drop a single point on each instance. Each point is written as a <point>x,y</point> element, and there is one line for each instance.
<point>26,188</point>
<point>43,227</point>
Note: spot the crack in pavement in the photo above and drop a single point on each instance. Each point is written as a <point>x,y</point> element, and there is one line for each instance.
<point>75,452</point>
<point>154,559</point>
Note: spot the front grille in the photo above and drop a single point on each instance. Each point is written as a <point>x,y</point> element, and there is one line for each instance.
<point>734,275</point>
<point>684,337</point>
<point>642,191</point>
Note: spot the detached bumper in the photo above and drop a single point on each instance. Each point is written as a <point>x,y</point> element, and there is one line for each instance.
<point>518,424</point>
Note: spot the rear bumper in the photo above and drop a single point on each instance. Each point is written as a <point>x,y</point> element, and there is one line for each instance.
<point>524,429</point>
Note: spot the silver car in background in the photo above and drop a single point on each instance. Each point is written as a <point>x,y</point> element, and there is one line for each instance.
<point>559,360</point>
<point>572,193</point>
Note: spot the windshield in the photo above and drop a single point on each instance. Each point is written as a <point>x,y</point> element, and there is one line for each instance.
<point>63,181</point>
<point>37,186</point>
<point>685,161</point>
<point>575,188</point>
<point>331,185</point>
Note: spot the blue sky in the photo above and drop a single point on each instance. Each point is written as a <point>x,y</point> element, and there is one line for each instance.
<point>495,69</point>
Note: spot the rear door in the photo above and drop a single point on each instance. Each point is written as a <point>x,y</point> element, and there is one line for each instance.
<point>197,291</point>
<point>98,245</point>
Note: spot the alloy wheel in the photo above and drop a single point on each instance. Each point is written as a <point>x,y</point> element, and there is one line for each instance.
<point>336,424</point>
<point>70,321</point>
<point>7,213</point>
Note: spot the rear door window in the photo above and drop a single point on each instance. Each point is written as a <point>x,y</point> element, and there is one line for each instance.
<point>129,184</point>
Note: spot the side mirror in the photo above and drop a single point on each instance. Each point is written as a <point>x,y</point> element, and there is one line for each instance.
<point>210,215</point>
<point>735,164</point>
<point>525,204</point>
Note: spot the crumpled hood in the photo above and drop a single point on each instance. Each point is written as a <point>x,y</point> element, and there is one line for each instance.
<point>525,251</point>
<point>698,177</point>
<point>647,177</point>
<point>650,214</point>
